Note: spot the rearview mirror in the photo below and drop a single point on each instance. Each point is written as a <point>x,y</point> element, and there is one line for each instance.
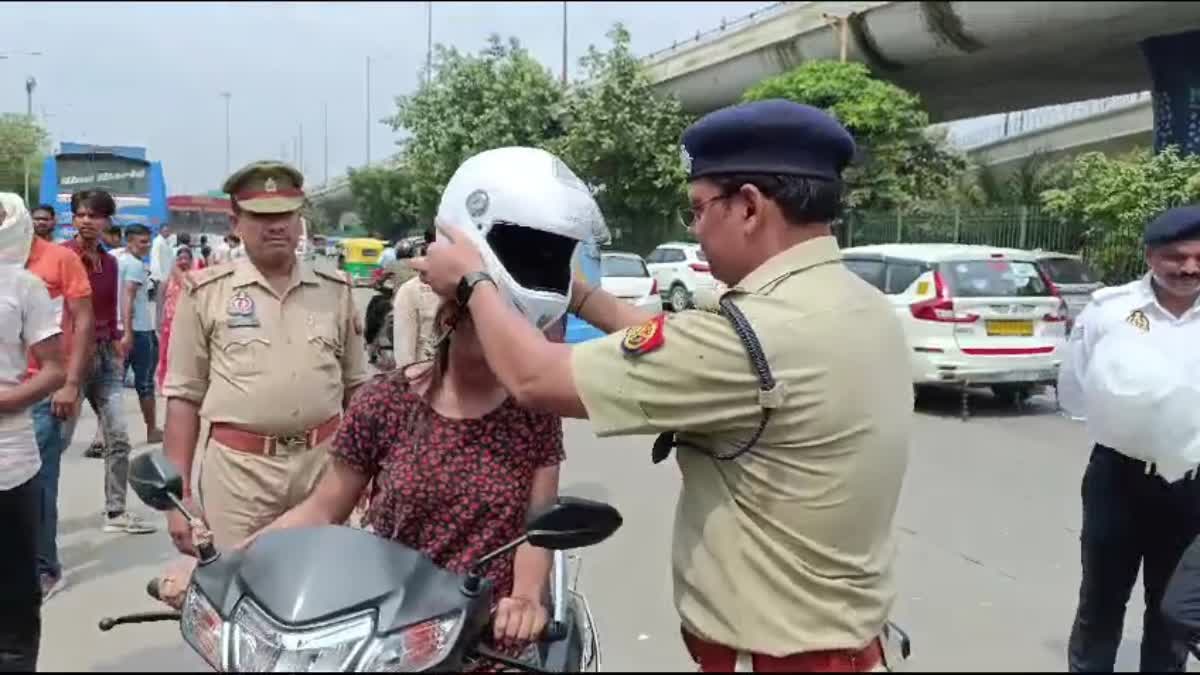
<point>154,479</point>
<point>572,522</point>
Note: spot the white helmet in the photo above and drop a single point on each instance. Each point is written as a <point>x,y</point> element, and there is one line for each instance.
<point>528,214</point>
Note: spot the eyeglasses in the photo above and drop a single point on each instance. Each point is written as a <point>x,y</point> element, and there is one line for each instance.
<point>699,209</point>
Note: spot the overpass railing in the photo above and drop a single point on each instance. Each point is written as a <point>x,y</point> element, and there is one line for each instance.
<point>1021,122</point>
<point>755,17</point>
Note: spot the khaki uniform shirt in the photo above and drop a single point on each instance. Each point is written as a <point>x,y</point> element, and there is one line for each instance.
<point>788,548</point>
<point>414,333</point>
<point>270,364</point>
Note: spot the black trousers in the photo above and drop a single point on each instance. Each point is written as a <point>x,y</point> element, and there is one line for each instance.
<point>1131,518</point>
<point>20,588</point>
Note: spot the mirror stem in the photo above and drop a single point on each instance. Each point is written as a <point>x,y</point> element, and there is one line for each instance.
<point>471,585</point>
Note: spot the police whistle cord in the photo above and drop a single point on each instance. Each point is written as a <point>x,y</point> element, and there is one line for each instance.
<point>666,441</point>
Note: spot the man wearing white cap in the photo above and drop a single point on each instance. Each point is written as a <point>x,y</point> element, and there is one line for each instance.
<point>28,323</point>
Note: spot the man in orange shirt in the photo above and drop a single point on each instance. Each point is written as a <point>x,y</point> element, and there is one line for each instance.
<point>54,418</point>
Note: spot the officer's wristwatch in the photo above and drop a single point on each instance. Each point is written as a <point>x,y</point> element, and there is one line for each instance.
<point>466,286</point>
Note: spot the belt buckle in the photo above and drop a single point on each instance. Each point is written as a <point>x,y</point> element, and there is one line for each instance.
<point>292,440</point>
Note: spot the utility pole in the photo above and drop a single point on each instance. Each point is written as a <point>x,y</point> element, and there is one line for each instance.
<point>300,151</point>
<point>226,95</point>
<point>564,44</point>
<point>325,122</point>
<point>368,120</point>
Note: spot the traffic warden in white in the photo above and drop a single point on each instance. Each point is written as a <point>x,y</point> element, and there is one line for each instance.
<point>1132,516</point>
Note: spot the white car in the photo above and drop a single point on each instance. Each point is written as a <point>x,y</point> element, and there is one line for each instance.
<point>681,270</point>
<point>625,276</point>
<point>973,315</point>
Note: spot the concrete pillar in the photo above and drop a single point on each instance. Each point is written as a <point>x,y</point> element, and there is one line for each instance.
<point>1174,63</point>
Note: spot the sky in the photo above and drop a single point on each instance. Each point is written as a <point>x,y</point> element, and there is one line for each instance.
<point>152,74</point>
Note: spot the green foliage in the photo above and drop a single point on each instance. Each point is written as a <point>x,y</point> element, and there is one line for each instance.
<point>23,142</point>
<point>1113,198</point>
<point>500,97</point>
<point>900,163</point>
<point>388,200</point>
<point>618,136</point>
<point>623,139</point>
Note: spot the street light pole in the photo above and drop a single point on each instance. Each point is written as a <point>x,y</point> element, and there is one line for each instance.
<point>428,41</point>
<point>226,95</point>
<point>368,120</point>
<point>564,44</point>
<point>30,85</point>
<point>325,123</point>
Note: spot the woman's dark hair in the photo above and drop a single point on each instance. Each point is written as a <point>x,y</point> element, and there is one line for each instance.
<point>96,200</point>
<point>802,200</point>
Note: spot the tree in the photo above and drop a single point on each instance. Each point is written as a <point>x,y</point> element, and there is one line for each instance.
<point>1115,197</point>
<point>499,98</point>
<point>622,139</point>
<point>23,142</point>
<point>900,164</point>
<point>387,199</point>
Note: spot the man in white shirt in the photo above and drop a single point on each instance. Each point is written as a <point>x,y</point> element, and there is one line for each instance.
<point>1132,517</point>
<point>28,324</point>
<point>162,259</point>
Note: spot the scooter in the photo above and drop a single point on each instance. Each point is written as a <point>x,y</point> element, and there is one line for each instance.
<point>339,599</point>
<point>378,331</point>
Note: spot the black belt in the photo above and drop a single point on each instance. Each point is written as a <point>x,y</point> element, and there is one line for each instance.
<point>770,393</point>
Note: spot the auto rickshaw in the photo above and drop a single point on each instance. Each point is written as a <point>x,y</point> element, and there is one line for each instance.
<point>360,258</point>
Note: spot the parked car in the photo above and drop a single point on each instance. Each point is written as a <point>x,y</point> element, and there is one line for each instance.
<point>681,270</point>
<point>626,276</point>
<point>1072,277</point>
<point>973,315</point>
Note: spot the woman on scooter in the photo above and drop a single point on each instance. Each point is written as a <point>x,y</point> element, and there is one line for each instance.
<point>455,465</point>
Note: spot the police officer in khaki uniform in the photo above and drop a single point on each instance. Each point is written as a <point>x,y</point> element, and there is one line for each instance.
<point>268,350</point>
<point>792,459</point>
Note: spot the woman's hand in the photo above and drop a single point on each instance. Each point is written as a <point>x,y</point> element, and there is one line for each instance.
<point>519,619</point>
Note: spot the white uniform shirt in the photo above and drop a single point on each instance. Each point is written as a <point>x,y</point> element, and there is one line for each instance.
<point>27,317</point>
<point>1131,311</point>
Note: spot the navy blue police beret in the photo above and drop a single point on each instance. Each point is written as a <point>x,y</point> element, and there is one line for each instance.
<point>1172,225</point>
<point>773,136</point>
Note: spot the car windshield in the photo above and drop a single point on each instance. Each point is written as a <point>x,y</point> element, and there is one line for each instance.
<point>620,266</point>
<point>994,279</point>
<point>1068,271</point>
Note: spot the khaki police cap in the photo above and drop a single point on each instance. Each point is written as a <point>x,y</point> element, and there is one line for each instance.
<point>266,187</point>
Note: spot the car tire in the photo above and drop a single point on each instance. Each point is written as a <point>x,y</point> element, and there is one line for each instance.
<point>679,299</point>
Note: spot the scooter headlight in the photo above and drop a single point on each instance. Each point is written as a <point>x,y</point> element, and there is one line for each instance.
<point>260,645</point>
<point>415,648</point>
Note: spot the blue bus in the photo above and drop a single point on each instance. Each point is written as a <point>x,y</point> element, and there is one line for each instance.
<point>136,184</point>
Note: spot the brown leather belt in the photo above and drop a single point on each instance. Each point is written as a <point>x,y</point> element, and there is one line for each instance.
<point>269,446</point>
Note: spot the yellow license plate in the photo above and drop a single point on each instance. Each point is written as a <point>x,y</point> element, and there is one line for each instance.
<point>1010,328</point>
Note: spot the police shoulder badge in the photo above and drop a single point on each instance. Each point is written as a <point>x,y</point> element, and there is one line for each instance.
<point>1138,319</point>
<point>644,338</point>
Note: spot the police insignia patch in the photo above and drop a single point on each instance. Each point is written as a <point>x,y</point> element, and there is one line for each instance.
<point>1138,319</point>
<point>644,338</point>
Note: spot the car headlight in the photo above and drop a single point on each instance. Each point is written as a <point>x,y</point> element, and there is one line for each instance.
<point>260,645</point>
<point>415,648</point>
<point>202,627</point>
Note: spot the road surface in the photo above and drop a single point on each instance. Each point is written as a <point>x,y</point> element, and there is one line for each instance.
<point>988,551</point>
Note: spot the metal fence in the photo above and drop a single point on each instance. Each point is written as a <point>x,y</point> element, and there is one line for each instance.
<point>1116,259</point>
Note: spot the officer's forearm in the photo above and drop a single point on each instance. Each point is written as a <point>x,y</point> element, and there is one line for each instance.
<point>604,311</point>
<point>180,433</point>
<point>534,370</point>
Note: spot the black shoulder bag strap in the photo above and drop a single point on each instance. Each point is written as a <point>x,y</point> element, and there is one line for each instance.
<point>770,394</point>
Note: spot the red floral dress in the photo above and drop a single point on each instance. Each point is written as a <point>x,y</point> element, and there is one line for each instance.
<point>454,489</point>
